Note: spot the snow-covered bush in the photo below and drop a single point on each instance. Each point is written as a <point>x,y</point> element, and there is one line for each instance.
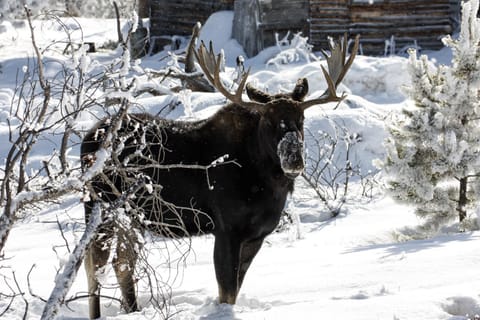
<point>292,50</point>
<point>433,153</point>
<point>58,100</point>
<point>333,167</point>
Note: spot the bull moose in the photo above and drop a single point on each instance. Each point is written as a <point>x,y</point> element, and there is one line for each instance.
<point>189,191</point>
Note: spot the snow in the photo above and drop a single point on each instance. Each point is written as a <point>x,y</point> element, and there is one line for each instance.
<point>373,261</point>
<point>210,32</point>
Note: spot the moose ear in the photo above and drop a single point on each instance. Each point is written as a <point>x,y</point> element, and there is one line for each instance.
<point>301,90</point>
<point>257,95</point>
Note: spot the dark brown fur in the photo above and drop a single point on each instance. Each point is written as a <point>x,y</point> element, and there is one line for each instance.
<point>245,203</point>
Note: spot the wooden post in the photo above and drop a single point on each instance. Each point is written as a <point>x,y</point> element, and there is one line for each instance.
<point>143,8</point>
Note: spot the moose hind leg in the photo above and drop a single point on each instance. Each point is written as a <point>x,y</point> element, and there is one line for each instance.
<point>96,258</point>
<point>124,266</point>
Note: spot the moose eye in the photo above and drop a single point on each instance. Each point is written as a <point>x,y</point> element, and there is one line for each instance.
<point>283,126</point>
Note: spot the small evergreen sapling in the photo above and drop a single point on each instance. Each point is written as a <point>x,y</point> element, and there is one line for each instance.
<point>433,153</point>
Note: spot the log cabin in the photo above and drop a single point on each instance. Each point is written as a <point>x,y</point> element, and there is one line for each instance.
<point>381,23</point>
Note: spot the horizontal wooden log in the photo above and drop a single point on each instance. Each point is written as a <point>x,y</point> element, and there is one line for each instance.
<point>401,25</point>
<point>282,26</point>
<point>327,3</point>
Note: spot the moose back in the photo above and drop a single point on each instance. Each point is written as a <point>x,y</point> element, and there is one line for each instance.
<point>228,175</point>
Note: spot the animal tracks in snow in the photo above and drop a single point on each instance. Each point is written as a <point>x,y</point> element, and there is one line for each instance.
<point>365,294</point>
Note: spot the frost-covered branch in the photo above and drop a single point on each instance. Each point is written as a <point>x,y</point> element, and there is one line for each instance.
<point>43,106</point>
<point>292,50</point>
<point>19,153</point>
<point>64,280</point>
<point>331,166</point>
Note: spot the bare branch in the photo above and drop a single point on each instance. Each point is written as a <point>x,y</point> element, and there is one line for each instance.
<point>65,279</point>
<point>22,294</point>
<point>30,287</point>
<point>332,166</point>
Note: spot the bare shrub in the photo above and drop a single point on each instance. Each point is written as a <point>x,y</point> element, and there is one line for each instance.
<point>332,166</point>
<point>81,89</point>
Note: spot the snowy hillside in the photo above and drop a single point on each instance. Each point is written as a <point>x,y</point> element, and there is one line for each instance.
<point>373,261</point>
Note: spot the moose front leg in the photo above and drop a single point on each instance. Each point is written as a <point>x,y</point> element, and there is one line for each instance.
<point>226,258</point>
<point>248,251</point>
<point>232,258</point>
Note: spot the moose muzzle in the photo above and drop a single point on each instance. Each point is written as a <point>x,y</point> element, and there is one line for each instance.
<point>290,153</point>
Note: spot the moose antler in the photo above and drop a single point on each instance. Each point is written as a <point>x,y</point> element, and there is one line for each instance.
<point>210,65</point>
<point>337,69</point>
<point>337,65</point>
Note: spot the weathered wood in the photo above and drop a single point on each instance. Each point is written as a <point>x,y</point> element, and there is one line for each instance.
<point>257,22</point>
<point>423,22</point>
<point>177,17</point>
<point>328,19</point>
<point>245,25</point>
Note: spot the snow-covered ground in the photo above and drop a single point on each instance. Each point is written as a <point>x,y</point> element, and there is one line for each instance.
<point>371,262</point>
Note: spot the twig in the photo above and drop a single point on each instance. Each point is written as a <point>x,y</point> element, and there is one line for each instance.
<point>22,294</point>
<point>63,235</point>
<point>11,296</point>
<point>83,296</point>
<point>30,287</point>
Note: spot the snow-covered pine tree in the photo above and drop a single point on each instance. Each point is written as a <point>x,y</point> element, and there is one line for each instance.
<point>433,153</point>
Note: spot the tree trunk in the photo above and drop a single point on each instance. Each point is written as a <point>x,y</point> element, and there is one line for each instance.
<point>72,8</point>
<point>7,218</point>
<point>6,224</point>
<point>462,199</point>
<point>143,9</point>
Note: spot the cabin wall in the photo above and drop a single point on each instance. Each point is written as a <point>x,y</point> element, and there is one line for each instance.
<point>328,19</point>
<point>455,12</point>
<point>177,17</point>
<point>282,16</point>
<point>407,22</point>
<point>423,22</point>
<point>256,22</point>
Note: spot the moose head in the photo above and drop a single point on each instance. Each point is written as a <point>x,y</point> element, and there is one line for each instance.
<point>282,115</point>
